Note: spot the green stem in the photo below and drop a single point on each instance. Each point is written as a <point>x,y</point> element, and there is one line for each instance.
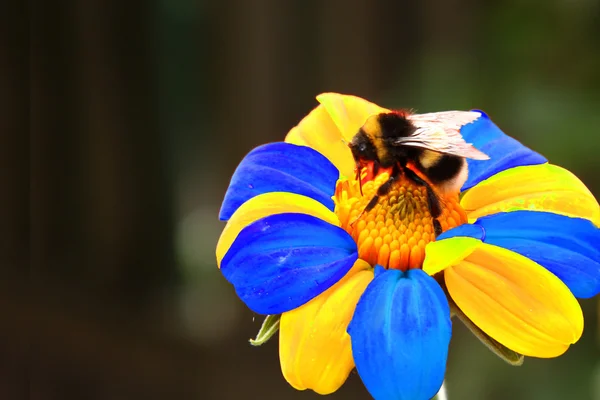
<point>442,394</point>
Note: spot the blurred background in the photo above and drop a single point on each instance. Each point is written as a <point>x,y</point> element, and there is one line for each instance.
<point>139,113</point>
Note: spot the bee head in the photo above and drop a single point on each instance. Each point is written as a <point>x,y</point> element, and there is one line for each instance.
<point>362,147</point>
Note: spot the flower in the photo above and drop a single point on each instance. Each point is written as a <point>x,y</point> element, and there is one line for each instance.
<point>373,290</point>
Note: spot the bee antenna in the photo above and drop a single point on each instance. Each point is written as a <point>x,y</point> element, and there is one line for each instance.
<point>344,141</point>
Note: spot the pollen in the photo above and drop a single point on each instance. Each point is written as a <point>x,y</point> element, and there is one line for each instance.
<point>395,232</point>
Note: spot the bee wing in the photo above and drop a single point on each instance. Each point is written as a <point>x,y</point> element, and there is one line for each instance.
<point>440,132</point>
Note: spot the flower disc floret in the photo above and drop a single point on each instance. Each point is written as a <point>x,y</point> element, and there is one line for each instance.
<point>395,232</point>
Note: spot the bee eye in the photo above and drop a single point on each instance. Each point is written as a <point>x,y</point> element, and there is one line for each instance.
<point>362,147</point>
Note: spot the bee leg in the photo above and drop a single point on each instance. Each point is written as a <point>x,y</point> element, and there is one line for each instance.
<point>435,210</point>
<point>437,227</point>
<point>433,202</point>
<point>375,168</point>
<point>384,188</point>
<point>381,191</point>
<point>359,168</point>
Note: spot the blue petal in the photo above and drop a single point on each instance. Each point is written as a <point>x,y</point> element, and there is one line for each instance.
<point>400,335</point>
<point>282,261</point>
<point>281,167</point>
<point>504,151</point>
<point>567,247</point>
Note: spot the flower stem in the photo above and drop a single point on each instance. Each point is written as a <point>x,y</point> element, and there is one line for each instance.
<point>441,395</point>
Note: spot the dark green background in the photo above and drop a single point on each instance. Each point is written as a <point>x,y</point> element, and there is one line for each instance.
<point>139,113</point>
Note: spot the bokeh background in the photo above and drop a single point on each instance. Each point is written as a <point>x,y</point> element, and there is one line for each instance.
<point>139,113</point>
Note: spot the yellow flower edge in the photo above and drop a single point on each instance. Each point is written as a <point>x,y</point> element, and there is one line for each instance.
<point>314,347</point>
<point>267,204</point>
<point>543,187</point>
<point>516,301</point>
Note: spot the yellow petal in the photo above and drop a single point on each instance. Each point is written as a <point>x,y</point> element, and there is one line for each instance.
<point>268,204</point>
<point>543,187</point>
<point>442,254</point>
<point>516,301</point>
<point>318,131</point>
<point>314,348</point>
<point>348,112</point>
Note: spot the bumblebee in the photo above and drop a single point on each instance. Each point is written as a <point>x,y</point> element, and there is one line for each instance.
<point>426,148</point>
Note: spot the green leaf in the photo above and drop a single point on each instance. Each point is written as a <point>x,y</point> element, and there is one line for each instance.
<point>269,327</point>
<point>511,357</point>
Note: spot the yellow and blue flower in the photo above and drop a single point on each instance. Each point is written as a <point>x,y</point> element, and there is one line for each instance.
<point>373,290</point>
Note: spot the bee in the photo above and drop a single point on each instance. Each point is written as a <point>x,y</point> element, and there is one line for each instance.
<point>426,148</point>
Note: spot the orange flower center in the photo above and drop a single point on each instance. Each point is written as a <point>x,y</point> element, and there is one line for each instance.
<point>395,232</point>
